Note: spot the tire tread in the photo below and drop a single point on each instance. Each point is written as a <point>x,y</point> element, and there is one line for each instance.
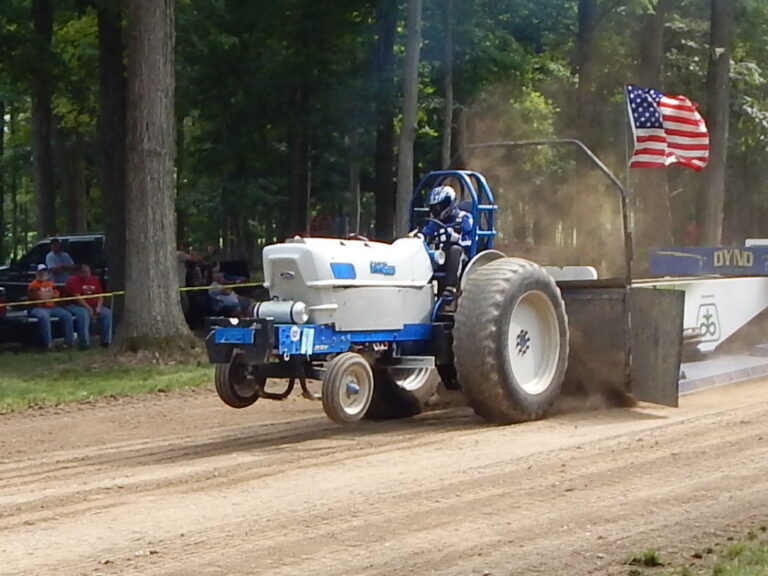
<point>478,362</point>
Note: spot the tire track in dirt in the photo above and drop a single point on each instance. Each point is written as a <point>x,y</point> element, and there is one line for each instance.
<point>443,493</point>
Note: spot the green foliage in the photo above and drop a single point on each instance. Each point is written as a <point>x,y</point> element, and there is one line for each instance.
<point>649,558</point>
<point>251,76</point>
<point>76,47</point>
<point>33,379</point>
<point>743,559</point>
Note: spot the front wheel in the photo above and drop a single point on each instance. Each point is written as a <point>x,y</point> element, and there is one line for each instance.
<point>511,341</point>
<point>347,388</point>
<point>236,383</point>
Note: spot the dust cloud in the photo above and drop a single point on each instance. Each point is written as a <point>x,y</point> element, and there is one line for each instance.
<point>555,208</point>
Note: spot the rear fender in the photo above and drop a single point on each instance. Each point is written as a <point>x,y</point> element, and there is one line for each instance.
<point>479,261</point>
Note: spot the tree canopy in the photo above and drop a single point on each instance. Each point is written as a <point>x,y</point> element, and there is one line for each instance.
<point>281,107</point>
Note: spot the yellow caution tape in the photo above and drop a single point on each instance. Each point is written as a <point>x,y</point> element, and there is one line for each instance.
<point>119,293</point>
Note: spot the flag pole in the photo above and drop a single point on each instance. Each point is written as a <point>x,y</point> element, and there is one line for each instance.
<point>627,120</point>
<point>627,156</point>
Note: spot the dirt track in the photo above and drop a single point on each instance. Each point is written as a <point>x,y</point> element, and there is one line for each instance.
<point>180,484</point>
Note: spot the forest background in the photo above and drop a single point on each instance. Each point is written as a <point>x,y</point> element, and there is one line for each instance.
<point>315,117</point>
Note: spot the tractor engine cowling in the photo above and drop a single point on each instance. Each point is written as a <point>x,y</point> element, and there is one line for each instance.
<point>357,285</point>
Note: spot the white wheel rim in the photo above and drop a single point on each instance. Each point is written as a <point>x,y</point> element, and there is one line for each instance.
<point>355,390</point>
<point>533,343</point>
<point>410,379</point>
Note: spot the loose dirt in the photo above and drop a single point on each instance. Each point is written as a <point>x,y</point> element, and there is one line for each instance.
<point>180,484</point>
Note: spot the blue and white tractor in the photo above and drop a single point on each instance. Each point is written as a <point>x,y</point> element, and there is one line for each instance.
<point>367,319</point>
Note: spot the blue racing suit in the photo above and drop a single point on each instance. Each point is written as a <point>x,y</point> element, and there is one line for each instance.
<point>455,240</point>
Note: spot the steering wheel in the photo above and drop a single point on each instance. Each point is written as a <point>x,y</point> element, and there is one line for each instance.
<point>439,223</point>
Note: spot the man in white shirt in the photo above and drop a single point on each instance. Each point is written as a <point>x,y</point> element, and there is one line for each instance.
<point>59,263</point>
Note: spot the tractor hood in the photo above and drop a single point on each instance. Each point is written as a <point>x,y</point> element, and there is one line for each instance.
<point>358,285</point>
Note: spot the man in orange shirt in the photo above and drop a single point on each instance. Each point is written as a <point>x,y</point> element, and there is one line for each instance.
<point>41,288</point>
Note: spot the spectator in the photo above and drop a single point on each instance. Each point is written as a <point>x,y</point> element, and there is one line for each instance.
<point>197,300</point>
<point>90,306</point>
<point>181,266</point>
<point>59,263</point>
<point>224,300</point>
<point>211,256</point>
<point>41,288</point>
<point>210,263</point>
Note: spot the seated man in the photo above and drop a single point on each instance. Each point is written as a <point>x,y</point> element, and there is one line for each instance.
<point>41,289</point>
<point>90,306</point>
<point>449,230</point>
<point>224,300</point>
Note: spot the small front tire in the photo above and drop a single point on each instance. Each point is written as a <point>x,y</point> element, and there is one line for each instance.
<point>236,384</point>
<point>347,388</point>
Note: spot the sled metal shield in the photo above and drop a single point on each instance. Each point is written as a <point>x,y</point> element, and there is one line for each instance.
<point>623,341</point>
<point>598,358</point>
<point>657,340</point>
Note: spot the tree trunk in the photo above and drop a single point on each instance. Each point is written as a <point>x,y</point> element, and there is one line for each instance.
<point>584,66</point>
<point>226,240</point>
<point>386,21</point>
<point>462,138</point>
<point>69,160</point>
<point>112,134</point>
<point>13,180</point>
<point>42,120</point>
<point>153,315</point>
<point>2,181</point>
<point>77,208</point>
<point>718,92</point>
<point>447,84</point>
<point>653,219</point>
<point>181,220</point>
<point>298,221</point>
<point>651,48</point>
<point>408,128</point>
<point>354,187</point>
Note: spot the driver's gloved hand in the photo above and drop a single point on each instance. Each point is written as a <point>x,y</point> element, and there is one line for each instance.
<point>448,236</point>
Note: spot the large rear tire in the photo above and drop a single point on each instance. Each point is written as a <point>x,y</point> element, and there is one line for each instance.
<point>510,341</point>
<point>401,392</point>
<point>236,384</point>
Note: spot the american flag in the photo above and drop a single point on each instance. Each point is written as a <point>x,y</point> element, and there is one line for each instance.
<point>667,130</point>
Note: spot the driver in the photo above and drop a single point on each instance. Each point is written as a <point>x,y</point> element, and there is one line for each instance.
<point>449,230</point>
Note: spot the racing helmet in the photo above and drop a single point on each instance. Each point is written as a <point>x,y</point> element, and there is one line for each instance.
<point>442,202</point>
